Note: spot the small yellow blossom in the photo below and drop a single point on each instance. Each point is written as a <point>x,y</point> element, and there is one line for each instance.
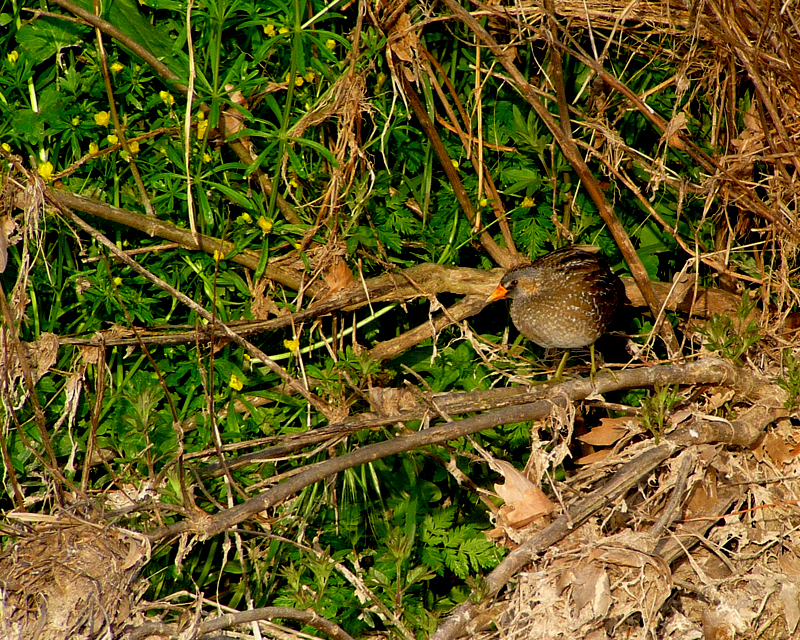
<point>102,118</point>
<point>202,127</point>
<point>116,67</point>
<point>298,80</point>
<point>266,225</point>
<point>246,218</point>
<point>235,383</point>
<point>206,157</point>
<point>201,115</point>
<point>483,202</point>
<point>13,56</point>
<point>94,148</point>
<point>293,183</point>
<point>455,163</point>
<point>166,96</point>
<point>117,281</point>
<point>527,202</point>
<point>269,29</point>
<point>6,147</point>
<point>310,75</point>
<point>46,171</point>
<point>291,345</point>
<point>133,147</point>
<point>76,121</point>
<point>381,79</point>
<point>283,31</point>
<point>218,255</point>
<point>330,43</point>
<point>112,138</point>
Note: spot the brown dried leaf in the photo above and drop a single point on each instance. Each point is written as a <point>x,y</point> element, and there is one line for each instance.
<point>524,501</point>
<point>338,276</point>
<point>777,449</point>
<point>607,433</point>
<point>597,456</point>
<point>404,41</point>
<point>262,305</point>
<point>790,599</point>
<point>591,586</point>
<point>232,119</point>
<point>7,227</point>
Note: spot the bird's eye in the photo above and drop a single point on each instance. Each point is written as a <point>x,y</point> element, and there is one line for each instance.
<point>514,283</point>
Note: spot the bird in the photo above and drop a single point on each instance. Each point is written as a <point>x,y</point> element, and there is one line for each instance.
<point>563,300</point>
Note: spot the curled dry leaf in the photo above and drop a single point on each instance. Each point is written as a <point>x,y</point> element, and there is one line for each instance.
<point>591,586</point>
<point>338,276</point>
<point>404,43</point>
<point>524,501</point>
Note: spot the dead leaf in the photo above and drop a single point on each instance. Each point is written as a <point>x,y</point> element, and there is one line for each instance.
<point>524,501</point>
<point>777,449</point>
<point>790,598</point>
<point>232,119</point>
<point>591,586</point>
<point>262,305</point>
<point>338,276</point>
<point>597,456</point>
<point>607,432</point>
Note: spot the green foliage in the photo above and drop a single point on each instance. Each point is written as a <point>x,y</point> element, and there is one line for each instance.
<point>730,336</point>
<point>790,380</point>
<point>657,407</point>
<point>368,191</point>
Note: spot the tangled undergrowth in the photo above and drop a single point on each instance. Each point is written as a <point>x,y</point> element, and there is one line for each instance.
<point>249,382</point>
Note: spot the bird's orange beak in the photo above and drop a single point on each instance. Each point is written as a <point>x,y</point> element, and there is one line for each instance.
<point>497,294</point>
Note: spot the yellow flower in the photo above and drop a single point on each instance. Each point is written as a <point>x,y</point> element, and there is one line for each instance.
<point>330,43</point>
<point>455,163</point>
<point>201,115</point>
<point>46,171</point>
<point>269,29</point>
<point>291,345</point>
<point>206,157</point>
<point>13,56</point>
<point>116,67</point>
<point>246,218</point>
<point>310,75</point>
<point>76,121</point>
<point>298,80</point>
<point>6,147</point>
<point>94,149</point>
<point>166,96</point>
<point>117,281</point>
<point>483,202</point>
<point>381,79</point>
<point>235,383</point>
<point>133,147</point>
<point>283,31</point>
<point>218,255</point>
<point>102,118</point>
<point>266,225</point>
<point>202,127</point>
<point>112,138</point>
<point>527,202</point>
<point>293,183</point>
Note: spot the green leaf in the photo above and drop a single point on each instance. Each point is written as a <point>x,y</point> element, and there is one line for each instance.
<point>45,38</point>
<point>126,16</point>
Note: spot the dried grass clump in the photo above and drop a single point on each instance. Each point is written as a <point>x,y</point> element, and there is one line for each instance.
<point>70,581</point>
